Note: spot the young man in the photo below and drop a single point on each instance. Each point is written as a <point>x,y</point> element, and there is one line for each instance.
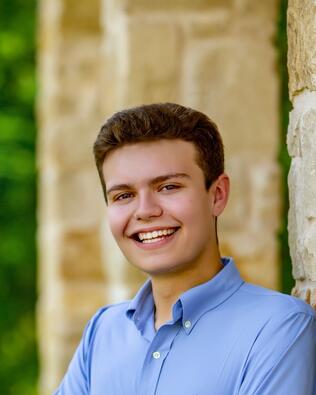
<point>195,327</point>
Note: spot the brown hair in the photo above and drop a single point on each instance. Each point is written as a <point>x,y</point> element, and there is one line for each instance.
<point>163,121</point>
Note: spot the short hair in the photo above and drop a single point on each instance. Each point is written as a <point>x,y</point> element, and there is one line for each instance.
<point>159,121</point>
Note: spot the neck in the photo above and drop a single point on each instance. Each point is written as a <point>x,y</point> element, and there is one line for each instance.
<point>167,287</point>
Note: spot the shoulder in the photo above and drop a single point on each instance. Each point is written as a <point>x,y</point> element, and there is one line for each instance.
<point>276,323</point>
<point>111,313</point>
<point>281,329</point>
<point>263,305</point>
<point>287,323</point>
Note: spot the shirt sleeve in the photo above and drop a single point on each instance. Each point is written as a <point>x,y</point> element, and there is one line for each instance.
<point>76,379</point>
<point>283,358</point>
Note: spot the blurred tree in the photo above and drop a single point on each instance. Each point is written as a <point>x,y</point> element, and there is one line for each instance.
<point>18,366</point>
<point>287,281</point>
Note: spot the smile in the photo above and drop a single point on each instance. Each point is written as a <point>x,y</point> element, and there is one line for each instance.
<point>154,236</point>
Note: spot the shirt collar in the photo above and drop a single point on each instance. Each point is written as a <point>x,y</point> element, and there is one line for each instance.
<point>207,296</point>
<point>141,306</point>
<point>193,303</point>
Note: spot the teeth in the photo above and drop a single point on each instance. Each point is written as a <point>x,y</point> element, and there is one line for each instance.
<point>152,240</point>
<point>155,234</point>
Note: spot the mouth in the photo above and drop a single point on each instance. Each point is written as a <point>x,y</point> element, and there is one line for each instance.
<point>154,236</point>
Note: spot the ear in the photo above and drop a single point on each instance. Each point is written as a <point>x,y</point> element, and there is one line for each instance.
<point>220,194</point>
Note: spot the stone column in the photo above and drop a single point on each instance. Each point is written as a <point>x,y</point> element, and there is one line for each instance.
<point>302,146</point>
<point>71,275</point>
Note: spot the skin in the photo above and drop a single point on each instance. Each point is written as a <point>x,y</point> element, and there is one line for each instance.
<point>158,185</point>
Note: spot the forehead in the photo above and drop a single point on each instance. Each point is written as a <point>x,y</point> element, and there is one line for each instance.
<point>145,160</point>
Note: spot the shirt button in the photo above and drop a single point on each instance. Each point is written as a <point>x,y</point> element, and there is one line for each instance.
<point>156,354</point>
<point>187,324</point>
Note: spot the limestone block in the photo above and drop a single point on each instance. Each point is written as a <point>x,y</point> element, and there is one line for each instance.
<point>63,151</point>
<point>60,351</point>
<point>245,18</point>
<point>80,300</point>
<point>264,207</point>
<point>255,255</point>
<point>261,269</point>
<point>61,320</point>
<point>81,15</point>
<point>69,121</point>
<point>247,26</point>
<point>295,220</point>
<point>238,203</point>
<point>48,254</point>
<point>142,58</point>
<point>69,146</point>
<point>310,249</point>
<point>132,6</point>
<point>67,307</point>
<point>245,245</point>
<point>114,58</point>
<point>267,9</point>
<point>79,65</point>
<point>301,22</point>
<point>71,198</point>
<point>154,61</point>
<point>80,255</point>
<point>247,229</point>
<point>242,71</point>
<point>206,25</point>
<point>302,186</point>
<point>255,191</point>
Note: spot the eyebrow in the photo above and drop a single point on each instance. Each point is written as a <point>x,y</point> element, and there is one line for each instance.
<point>156,180</point>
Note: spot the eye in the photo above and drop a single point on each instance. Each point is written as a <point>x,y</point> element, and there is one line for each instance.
<point>169,187</point>
<point>123,196</point>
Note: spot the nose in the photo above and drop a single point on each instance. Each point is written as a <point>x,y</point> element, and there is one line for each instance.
<point>148,207</point>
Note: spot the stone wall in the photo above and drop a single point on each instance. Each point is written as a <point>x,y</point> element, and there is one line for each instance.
<point>302,146</point>
<point>99,56</point>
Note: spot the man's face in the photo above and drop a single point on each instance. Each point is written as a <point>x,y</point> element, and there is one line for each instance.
<point>159,210</point>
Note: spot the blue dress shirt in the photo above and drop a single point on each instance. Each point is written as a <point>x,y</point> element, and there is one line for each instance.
<point>226,337</point>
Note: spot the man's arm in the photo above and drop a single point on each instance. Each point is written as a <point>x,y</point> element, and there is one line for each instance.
<point>283,358</point>
<point>76,380</point>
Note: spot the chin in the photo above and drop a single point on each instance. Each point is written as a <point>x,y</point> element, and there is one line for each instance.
<point>160,268</point>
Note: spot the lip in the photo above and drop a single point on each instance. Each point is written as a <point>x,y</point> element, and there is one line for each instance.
<point>158,244</point>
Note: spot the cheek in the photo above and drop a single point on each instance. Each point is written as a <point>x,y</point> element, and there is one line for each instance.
<point>182,210</point>
<point>194,211</point>
<point>117,218</point>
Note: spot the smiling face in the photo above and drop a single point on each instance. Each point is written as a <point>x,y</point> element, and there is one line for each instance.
<point>159,211</point>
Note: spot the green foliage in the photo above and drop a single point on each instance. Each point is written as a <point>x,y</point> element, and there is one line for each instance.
<point>287,281</point>
<point>18,367</point>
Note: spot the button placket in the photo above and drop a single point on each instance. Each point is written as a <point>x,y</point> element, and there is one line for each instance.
<point>154,361</point>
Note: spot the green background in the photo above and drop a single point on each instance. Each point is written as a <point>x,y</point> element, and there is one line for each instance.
<point>18,359</point>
